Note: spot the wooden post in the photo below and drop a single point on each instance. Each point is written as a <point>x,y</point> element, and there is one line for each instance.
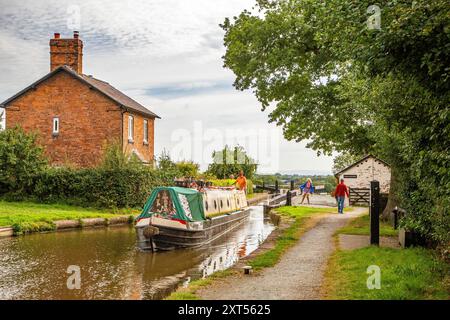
<point>288,198</point>
<point>395,212</point>
<point>276,187</point>
<point>374,212</point>
<point>292,185</point>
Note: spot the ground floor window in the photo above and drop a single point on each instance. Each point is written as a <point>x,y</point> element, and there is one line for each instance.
<point>55,126</point>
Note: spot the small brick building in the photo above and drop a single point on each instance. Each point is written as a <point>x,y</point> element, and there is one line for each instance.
<point>76,115</point>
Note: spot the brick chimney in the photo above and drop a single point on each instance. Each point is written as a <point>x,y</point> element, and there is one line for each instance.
<point>67,52</point>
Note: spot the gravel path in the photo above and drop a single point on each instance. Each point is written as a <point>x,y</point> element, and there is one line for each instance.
<point>297,276</point>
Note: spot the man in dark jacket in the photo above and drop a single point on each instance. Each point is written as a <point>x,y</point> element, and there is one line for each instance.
<point>340,193</point>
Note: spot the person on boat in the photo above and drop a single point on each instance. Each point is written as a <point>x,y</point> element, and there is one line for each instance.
<point>340,193</point>
<point>241,181</point>
<point>307,189</point>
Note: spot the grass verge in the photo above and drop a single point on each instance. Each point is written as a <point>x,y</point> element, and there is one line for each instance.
<point>299,218</point>
<point>361,226</point>
<point>27,217</point>
<point>406,274</point>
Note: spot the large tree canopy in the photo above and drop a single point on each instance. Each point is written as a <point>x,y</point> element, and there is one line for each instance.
<point>327,77</point>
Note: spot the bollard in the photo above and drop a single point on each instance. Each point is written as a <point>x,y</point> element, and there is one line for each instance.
<point>395,212</point>
<point>289,198</point>
<point>292,185</point>
<point>277,190</point>
<point>374,212</point>
<point>247,269</point>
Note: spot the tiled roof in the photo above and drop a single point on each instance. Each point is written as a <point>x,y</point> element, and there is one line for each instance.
<point>105,88</point>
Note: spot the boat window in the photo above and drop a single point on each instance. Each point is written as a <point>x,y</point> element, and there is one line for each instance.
<point>206,205</point>
<point>221,203</point>
<point>228,203</point>
<point>215,204</point>
<point>238,201</point>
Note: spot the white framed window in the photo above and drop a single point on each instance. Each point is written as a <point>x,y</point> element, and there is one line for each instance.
<point>130,128</point>
<point>145,131</point>
<point>55,129</point>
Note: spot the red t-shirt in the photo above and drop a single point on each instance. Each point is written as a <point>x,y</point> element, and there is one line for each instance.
<point>341,190</point>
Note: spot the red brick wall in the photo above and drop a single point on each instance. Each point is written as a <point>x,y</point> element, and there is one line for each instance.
<point>146,151</point>
<point>87,119</point>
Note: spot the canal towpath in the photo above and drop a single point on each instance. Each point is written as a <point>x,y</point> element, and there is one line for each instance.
<point>297,276</point>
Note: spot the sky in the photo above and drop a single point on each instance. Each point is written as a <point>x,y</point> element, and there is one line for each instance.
<point>167,55</point>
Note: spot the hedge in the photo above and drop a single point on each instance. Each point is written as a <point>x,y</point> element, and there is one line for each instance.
<point>120,188</point>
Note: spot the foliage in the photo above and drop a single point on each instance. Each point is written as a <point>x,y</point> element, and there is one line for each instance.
<point>229,161</point>
<point>344,160</point>
<point>119,182</point>
<point>408,274</point>
<point>20,228</point>
<point>187,169</point>
<point>347,88</point>
<point>20,158</point>
<point>165,163</point>
<point>115,158</point>
<point>100,187</point>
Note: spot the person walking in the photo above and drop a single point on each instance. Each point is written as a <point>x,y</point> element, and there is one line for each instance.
<point>307,189</point>
<point>340,193</point>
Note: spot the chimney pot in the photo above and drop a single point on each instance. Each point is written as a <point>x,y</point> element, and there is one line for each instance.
<point>57,35</point>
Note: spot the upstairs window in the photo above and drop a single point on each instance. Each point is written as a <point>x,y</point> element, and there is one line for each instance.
<point>55,130</point>
<point>145,131</point>
<point>130,128</point>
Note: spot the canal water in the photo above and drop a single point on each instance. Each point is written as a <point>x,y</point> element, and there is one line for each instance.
<point>111,267</point>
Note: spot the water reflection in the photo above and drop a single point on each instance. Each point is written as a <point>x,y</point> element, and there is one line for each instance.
<point>34,266</point>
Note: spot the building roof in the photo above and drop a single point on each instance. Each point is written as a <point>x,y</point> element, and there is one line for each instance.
<point>105,88</point>
<point>358,162</point>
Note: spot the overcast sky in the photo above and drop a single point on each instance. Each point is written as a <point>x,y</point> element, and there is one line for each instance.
<point>166,54</point>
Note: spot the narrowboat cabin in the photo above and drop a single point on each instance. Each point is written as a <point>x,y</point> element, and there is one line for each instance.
<point>176,217</point>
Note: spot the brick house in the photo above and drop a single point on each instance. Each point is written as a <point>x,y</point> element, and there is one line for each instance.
<point>76,115</point>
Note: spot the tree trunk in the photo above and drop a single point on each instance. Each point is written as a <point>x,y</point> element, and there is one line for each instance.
<point>393,200</point>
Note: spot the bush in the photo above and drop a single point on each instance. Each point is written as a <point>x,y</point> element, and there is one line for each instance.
<point>119,182</point>
<point>20,159</point>
<point>187,169</point>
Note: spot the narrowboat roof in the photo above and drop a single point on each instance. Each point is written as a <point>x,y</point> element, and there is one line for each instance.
<point>175,202</point>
